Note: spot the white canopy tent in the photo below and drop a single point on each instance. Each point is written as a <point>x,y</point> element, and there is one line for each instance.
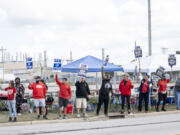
<point>151,63</point>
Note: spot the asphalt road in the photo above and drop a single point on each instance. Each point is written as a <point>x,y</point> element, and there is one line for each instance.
<point>152,125</point>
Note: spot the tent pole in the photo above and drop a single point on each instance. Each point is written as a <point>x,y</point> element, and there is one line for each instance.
<point>96,81</point>
<point>115,80</point>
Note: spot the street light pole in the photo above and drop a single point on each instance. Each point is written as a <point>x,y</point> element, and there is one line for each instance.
<point>149,28</point>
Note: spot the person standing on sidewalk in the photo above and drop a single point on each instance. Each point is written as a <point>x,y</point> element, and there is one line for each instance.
<point>144,90</point>
<point>125,87</point>
<point>39,95</point>
<point>64,96</point>
<point>11,90</point>
<point>19,94</point>
<point>162,92</point>
<point>82,92</point>
<point>177,93</point>
<point>106,88</point>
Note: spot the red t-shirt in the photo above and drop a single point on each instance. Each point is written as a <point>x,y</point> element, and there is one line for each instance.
<point>11,92</point>
<point>64,89</point>
<point>145,87</point>
<point>39,90</point>
<point>163,85</point>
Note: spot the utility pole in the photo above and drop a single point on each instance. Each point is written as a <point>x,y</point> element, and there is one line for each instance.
<point>102,53</point>
<point>149,28</point>
<point>2,52</point>
<point>45,59</point>
<point>71,56</point>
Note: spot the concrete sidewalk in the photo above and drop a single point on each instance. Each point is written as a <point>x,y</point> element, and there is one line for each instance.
<point>94,118</point>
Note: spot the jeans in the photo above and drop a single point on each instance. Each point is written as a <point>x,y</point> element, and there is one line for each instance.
<point>12,107</point>
<point>177,95</point>
<point>127,97</point>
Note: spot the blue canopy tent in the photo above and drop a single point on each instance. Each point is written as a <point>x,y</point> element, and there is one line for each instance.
<point>94,65</point>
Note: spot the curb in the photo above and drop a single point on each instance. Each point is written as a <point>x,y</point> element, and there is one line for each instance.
<point>90,119</point>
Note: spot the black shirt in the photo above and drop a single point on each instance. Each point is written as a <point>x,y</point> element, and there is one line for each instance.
<point>82,89</point>
<point>106,87</point>
<point>19,89</point>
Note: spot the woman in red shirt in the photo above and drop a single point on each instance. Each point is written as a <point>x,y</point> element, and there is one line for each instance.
<point>125,87</point>
<point>144,93</point>
<point>162,92</point>
<point>11,90</point>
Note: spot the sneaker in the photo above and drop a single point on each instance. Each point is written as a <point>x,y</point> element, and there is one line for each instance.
<point>14,119</point>
<point>78,115</point>
<point>106,115</point>
<point>65,117</point>
<point>60,117</point>
<point>44,117</point>
<point>163,109</point>
<point>10,119</point>
<point>85,115</point>
<point>38,117</point>
<point>19,114</point>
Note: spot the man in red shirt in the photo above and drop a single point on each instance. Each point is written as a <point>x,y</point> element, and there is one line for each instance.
<point>64,95</point>
<point>11,90</point>
<point>162,92</point>
<point>39,95</point>
<point>125,87</point>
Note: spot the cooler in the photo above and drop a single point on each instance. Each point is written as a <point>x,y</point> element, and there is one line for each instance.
<point>69,108</point>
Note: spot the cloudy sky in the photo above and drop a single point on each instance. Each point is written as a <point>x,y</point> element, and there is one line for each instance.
<point>87,26</point>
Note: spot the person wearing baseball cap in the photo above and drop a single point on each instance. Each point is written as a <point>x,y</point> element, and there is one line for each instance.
<point>82,93</point>
<point>39,95</point>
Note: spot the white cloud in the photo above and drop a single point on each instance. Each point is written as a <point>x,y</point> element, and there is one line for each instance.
<point>87,26</point>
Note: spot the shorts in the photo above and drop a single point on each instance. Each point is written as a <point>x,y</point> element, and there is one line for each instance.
<point>81,103</point>
<point>39,102</point>
<point>63,102</point>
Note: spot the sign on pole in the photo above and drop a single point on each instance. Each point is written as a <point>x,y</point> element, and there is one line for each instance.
<point>106,61</point>
<point>57,65</point>
<point>172,60</point>
<point>138,52</point>
<point>83,70</point>
<point>160,71</point>
<point>29,63</point>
